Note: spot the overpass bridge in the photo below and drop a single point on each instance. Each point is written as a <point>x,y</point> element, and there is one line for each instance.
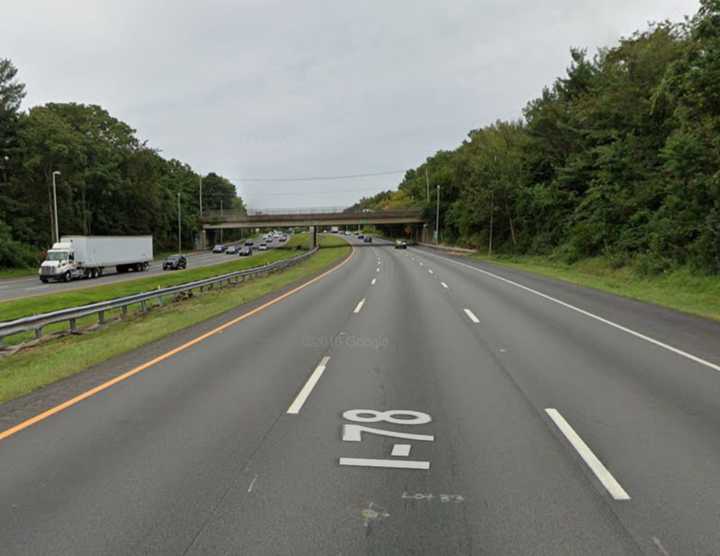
<point>312,218</point>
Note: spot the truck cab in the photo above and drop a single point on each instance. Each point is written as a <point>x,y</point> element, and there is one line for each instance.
<point>59,263</point>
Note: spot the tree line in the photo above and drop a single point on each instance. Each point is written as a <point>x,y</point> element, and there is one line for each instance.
<point>619,158</point>
<point>109,183</point>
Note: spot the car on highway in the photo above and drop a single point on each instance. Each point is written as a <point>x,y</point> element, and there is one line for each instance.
<point>175,262</point>
<point>219,248</point>
<point>263,246</point>
<point>245,251</point>
<point>231,250</point>
<point>367,239</point>
<point>361,236</point>
<point>249,243</point>
<point>400,244</point>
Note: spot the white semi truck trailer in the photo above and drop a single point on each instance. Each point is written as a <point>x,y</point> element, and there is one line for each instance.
<point>88,256</point>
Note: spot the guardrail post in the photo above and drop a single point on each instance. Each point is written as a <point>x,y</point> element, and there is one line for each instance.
<point>73,326</point>
<point>143,306</point>
<point>101,317</point>
<point>38,332</point>
<point>124,311</point>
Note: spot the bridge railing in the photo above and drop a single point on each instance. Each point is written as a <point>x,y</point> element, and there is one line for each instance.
<point>301,213</point>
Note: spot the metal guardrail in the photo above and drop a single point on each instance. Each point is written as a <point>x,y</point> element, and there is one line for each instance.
<point>71,315</point>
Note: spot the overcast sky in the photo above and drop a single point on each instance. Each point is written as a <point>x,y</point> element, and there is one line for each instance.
<point>261,88</point>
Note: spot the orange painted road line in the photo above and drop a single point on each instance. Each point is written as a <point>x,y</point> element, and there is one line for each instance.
<point>120,378</point>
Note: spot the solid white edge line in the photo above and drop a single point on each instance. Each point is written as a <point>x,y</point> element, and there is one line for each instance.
<point>443,284</point>
<point>359,306</point>
<point>372,283</point>
<point>595,465</point>
<point>471,316</point>
<point>625,329</point>
<point>305,391</point>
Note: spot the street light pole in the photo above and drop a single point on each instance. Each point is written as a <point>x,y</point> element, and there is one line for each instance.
<point>57,226</point>
<point>179,227</point>
<point>200,196</point>
<point>437,217</point>
<point>427,187</point>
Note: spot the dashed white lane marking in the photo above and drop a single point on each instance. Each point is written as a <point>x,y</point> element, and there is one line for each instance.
<point>421,264</point>
<point>595,465</point>
<point>37,288</point>
<point>660,546</point>
<point>377,269</point>
<point>430,271</point>
<point>252,484</point>
<point>630,331</point>
<point>373,281</point>
<point>401,450</point>
<point>359,306</point>
<point>444,285</point>
<point>471,316</point>
<point>297,404</point>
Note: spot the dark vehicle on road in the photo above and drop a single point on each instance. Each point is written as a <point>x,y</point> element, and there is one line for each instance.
<point>245,251</point>
<point>231,250</point>
<point>219,248</point>
<point>367,239</point>
<point>175,262</point>
<point>249,243</point>
<point>400,244</point>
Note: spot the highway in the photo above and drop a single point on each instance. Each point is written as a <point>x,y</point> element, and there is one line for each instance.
<point>31,286</point>
<point>407,402</point>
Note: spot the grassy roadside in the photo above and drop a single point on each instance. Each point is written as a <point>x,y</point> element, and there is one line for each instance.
<point>36,367</point>
<point>10,273</point>
<point>16,308</point>
<point>681,289</point>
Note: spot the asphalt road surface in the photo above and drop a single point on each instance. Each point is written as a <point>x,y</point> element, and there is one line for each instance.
<point>31,286</point>
<point>406,403</point>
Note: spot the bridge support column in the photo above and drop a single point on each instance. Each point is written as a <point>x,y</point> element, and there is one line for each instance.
<point>313,237</point>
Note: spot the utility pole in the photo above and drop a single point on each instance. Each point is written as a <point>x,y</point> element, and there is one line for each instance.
<point>492,213</point>
<point>437,217</point>
<point>57,227</point>
<point>492,207</point>
<point>200,195</point>
<point>6,159</point>
<point>221,214</point>
<point>179,227</point>
<point>427,187</point>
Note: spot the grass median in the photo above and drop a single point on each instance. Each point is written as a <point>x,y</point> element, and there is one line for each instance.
<point>679,289</point>
<point>33,368</point>
<point>16,308</point>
